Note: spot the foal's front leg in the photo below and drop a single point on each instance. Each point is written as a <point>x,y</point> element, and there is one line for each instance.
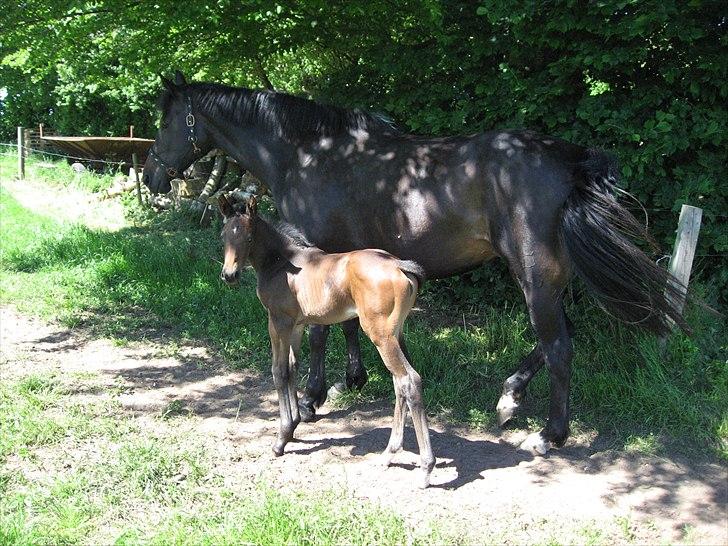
<point>280,329</point>
<point>294,358</point>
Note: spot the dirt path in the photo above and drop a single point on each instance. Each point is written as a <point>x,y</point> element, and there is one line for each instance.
<point>482,486</point>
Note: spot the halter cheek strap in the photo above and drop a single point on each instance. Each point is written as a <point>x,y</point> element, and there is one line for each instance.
<point>192,137</point>
<point>190,121</point>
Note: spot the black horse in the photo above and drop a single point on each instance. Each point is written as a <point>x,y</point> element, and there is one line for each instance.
<point>349,180</point>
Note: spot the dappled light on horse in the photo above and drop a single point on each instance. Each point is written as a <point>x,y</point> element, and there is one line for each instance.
<point>299,284</point>
<point>349,180</point>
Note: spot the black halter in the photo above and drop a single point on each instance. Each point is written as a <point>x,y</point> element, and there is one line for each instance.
<point>192,137</point>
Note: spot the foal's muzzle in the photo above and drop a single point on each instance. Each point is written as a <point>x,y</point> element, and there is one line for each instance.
<point>230,277</point>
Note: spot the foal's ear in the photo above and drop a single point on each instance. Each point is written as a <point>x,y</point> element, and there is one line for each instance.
<point>179,78</point>
<point>226,209</point>
<point>252,206</point>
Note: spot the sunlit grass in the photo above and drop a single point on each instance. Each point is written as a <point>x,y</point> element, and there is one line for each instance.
<point>101,479</point>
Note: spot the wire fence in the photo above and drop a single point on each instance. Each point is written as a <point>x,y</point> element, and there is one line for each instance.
<point>54,154</point>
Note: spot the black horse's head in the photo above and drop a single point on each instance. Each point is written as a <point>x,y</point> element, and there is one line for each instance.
<point>182,137</point>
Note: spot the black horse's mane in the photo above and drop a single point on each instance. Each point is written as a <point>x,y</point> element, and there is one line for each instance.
<point>292,117</point>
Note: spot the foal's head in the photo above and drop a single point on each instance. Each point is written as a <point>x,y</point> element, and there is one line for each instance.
<point>237,236</point>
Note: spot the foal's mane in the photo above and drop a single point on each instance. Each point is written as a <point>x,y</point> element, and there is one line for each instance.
<point>290,116</point>
<point>292,233</point>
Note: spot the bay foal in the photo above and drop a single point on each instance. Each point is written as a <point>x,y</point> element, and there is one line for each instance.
<point>299,284</point>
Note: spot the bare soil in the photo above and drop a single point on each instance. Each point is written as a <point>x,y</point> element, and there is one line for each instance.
<point>483,487</point>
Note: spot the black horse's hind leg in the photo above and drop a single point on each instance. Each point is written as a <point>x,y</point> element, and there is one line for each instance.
<point>550,323</point>
<point>514,388</point>
<point>356,375</point>
<point>315,394</point>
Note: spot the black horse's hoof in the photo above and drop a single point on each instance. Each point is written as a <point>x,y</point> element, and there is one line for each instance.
<point>308,413</point>
<point>507,407</point>
<point>357,381</point>
<point>278,449</point>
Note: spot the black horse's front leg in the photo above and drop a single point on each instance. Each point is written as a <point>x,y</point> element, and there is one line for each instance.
<point>315,394</point>
<point>356,374</point>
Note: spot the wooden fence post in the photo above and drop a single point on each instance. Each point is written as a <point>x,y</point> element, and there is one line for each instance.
<point>135,168</point>
<point>27,142</point>
<point>21,155</point>
<point>681,262</point>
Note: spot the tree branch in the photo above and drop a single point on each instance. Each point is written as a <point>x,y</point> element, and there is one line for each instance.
<point>262,74</point>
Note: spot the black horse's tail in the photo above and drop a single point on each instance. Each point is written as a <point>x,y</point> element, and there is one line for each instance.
<point>596,231</point>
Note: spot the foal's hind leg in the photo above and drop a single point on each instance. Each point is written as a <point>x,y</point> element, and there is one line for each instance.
<point>408,390</point>
<point>514,388</point>
<point>396,439</point>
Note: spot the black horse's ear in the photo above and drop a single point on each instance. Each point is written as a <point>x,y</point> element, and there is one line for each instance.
<point>167,83</point>
<point>179,78</point>
<point>252,206</point>
<point>226,209</point>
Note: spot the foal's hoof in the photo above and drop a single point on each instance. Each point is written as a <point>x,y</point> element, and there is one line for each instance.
<point>385,459</point>
<point>308,414</point>
<point>278,449</point>
<point>506,408</point>
<point>535,444</point>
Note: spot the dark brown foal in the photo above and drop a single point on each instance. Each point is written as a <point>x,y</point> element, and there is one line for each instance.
<point>300,284</point>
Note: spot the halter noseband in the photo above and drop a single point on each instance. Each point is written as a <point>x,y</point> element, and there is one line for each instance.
<point>192,137</point>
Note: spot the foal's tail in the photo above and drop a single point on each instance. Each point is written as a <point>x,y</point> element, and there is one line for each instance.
<point>596,232</point>
<point>413,268</point>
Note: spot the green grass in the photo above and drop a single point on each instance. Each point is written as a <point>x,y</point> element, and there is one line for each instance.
<point>113,482</point>
<point>58,173</point>
<point>161,271</point>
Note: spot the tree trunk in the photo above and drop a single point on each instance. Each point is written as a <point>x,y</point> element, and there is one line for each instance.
<point>218,171</point>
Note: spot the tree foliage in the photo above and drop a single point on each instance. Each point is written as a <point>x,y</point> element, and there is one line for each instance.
<point>646,79</point>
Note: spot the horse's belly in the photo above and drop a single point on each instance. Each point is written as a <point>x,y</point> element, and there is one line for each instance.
<point>314,315</point>
<point>322,302</point>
